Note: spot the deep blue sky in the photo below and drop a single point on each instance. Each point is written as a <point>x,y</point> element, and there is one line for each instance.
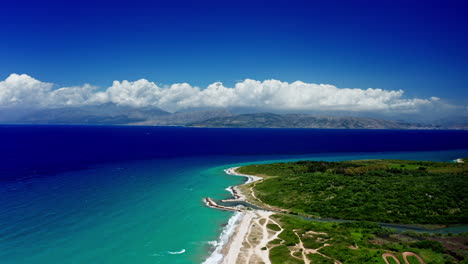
<point>417,46</point>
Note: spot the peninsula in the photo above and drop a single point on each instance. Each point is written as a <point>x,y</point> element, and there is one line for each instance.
<point>331,212</point>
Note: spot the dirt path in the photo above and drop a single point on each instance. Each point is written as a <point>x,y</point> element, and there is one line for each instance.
<point>388,255</point>
<point>250,247</point>
<point>303,249</point>
<point>252,191</point>
<point>251,244</point>
<point>255,242</point>
<point>265,253</point>
<point>407,254</point>
<point>405,257</point>
<point>306,251</point>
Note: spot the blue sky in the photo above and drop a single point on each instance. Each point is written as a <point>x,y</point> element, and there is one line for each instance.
<point>417,46</point>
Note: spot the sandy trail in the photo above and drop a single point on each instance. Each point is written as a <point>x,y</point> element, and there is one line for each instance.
<point>250,242</point>
<point>385,257</point>
<point>250,247</point>
<point>252,234</point>
<point>264,254</point>
<point>306,251</point>
<point>407,254</point>
<point>233,248</point>
<point>303,249</point>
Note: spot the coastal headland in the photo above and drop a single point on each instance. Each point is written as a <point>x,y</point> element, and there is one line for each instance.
<point>270,232</point>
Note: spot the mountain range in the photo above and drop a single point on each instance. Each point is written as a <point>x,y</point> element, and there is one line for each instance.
<point>269,120</point>
<point>113,114</point>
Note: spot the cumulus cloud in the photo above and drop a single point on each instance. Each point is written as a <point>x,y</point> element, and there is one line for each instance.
<point>23,90</point>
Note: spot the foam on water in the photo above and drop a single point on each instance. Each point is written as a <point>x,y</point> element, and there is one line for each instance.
<point>79,194</point>
<point>176,252</point>
<point>228,231</point>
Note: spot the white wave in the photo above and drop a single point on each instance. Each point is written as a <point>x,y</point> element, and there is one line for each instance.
<point>229,189</point>
<point>216,257</point>
<point>214,243</point>
<point>250,178</point>
<point>177,252</point>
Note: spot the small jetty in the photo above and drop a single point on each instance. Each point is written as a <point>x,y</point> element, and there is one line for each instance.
<point>235,194</point>
<point>210,203</point>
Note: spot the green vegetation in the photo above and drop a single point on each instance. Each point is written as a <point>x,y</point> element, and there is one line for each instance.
<point>275,242</point>
<point>392,261</point>
<point>392,191</point>
<point>274,227</point>
<point>413,260</point>
<point>316,258</point>
<point>435,246</point>
<point>311,242</point>
<point>280,255</point>
<point>360,242</point>
<point>289,238</point>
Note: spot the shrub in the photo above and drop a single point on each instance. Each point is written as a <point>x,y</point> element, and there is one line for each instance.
<point>435,246</point>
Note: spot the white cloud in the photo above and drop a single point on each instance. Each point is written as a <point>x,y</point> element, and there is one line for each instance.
<point>23,90</point>
<point>70,95</point>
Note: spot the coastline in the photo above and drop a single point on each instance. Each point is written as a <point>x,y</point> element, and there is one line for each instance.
<point>246,237</point>
<point>229,244</point>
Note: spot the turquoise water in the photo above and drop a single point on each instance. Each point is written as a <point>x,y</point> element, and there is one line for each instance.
<point>133,212</point>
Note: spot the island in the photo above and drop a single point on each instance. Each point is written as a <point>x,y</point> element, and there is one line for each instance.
<point>365,211</point>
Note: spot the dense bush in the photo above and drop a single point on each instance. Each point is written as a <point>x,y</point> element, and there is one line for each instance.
<point>381,191</point>
<point>429,244</point>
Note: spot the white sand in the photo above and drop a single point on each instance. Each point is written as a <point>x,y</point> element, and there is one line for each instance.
<point>235,251</point>
<point>235,244</point>
<point>238,194</point>
<point>250,178</point>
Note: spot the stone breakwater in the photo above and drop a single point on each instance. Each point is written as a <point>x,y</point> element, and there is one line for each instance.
<point>212,204</point>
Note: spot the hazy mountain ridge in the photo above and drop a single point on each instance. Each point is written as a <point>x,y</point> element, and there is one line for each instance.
<point>114,114</point>
<point>105,114</point>
<point>269,120</point>
<point>184,118</point>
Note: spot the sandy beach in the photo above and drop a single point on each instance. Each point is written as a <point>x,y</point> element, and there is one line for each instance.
<point>249,238</point>
<point>249,233</point>
<point>249,243</point>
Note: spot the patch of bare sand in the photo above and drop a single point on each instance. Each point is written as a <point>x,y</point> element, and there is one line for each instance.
<point>250,242</point>
<point>232,249</point>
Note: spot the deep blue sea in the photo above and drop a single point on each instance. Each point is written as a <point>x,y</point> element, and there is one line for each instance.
<point>117,194</point>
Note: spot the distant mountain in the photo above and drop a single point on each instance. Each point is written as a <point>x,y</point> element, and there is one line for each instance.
<point>104,114</point>
<point>184,118</point>
<point>269,120</point>
<point>109,114</point>
<point>114,114</point>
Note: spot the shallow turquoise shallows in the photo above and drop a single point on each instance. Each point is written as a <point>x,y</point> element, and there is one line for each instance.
<point>135,212</point>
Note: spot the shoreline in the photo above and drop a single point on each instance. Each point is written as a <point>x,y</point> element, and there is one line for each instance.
<point>233,245</point>
<point>228,245</point>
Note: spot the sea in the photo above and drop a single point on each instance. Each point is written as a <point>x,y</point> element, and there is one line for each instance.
<point>121,194</point>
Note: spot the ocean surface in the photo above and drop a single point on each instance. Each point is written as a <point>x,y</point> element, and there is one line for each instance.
<point>102,194</point>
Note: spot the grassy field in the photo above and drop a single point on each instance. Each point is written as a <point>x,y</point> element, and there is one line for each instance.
<point>356,242</point>
<point>392,191</point>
